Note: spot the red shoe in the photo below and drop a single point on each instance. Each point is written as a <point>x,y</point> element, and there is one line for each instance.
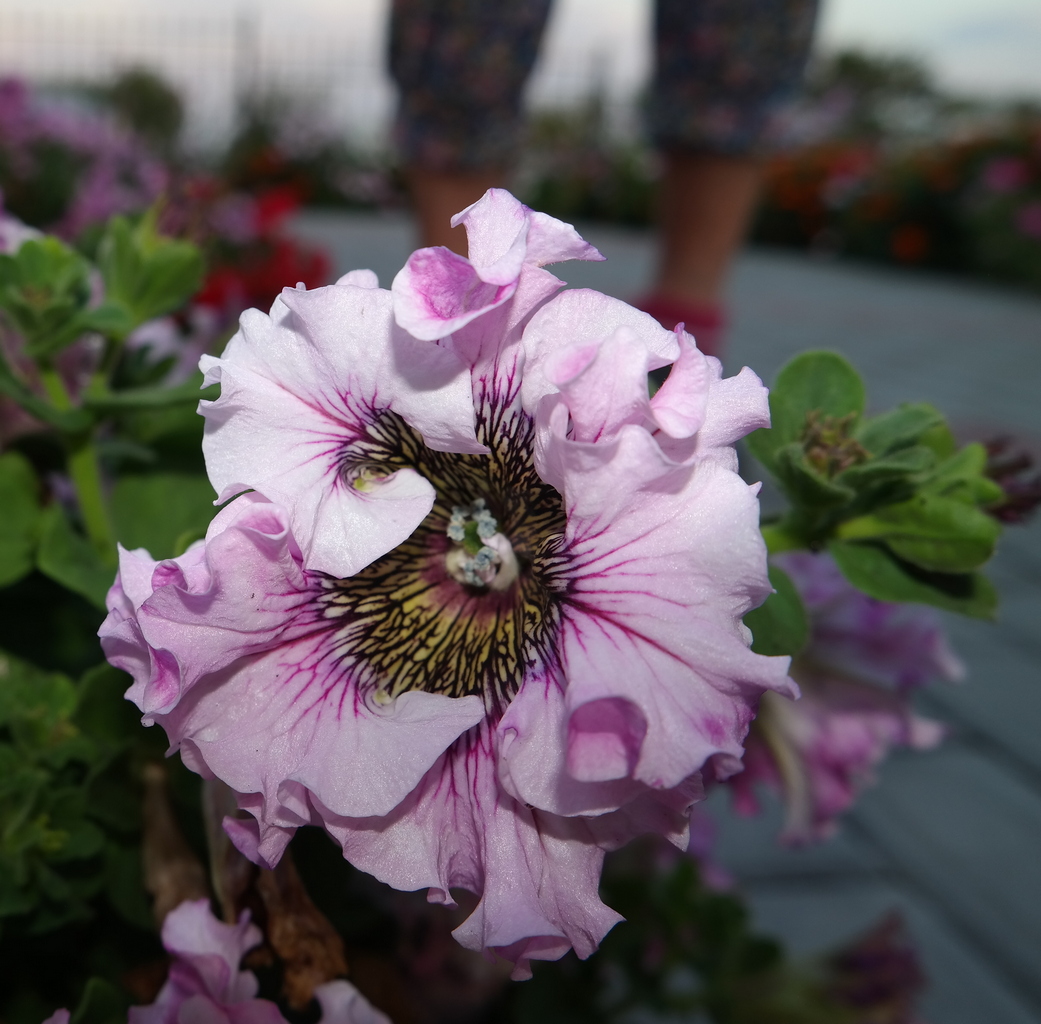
<point>706,323</point>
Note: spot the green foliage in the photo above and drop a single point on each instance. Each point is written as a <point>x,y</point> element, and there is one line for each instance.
<point>684,949</point>
<point>147,105</point>
<point>821,382</point>
<point>102,1003</point>
<point>20,502</point>
<point>146,275</point>
<point>71,886</point>
<point>44,290</point>
<point>49,848</point>
<point>153,511</point>
<point>931,531</point>
<point>901,509</point>
<point>881,574</point>
<point>779,625</point>
<point>68,558</point>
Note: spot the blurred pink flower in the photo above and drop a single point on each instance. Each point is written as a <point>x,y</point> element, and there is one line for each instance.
<point>116,173</point>
<point>1005,174</point>
<point>862,657</point>
<point>1028,220</point>
<point>205,983</point>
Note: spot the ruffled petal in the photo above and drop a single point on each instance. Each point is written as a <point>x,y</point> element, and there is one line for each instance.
<point>302,386</point>
<point>604,385</point>
<point>262,695</point>
<point>534,745</point>
<point>438,291</point>
<point>735,407</point>
<point>680,405</point>
<point>552,241</point>
<point>213,948</point>
<point>578,318</point>
<point>537,874</point>
<point>294,716</point>
<point>237,594</point>
<point>496,235</point>
<point>661,572</point>
<point>502,233</point>
<point>342,1003</point>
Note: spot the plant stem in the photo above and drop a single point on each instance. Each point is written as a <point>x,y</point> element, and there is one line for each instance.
<point>85,473</point>
<point>86,478</point>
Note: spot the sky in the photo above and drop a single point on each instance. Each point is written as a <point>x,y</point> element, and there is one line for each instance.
<point>990,47</point>
<point>973,45</point>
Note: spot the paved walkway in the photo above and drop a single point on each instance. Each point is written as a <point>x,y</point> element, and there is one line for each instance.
<point>952,837</point>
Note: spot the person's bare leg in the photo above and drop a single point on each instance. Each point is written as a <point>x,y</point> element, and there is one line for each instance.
<point>705,205</point>
<point>439,195</point>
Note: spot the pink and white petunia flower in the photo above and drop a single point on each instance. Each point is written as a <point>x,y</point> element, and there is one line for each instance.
<point>550,663</point>
<point>206,985</point>
<point>855,674</point>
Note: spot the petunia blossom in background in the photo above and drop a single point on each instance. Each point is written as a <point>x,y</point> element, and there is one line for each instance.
<point>205,984</point>
<point>479,615</point>
<point>863,659</point>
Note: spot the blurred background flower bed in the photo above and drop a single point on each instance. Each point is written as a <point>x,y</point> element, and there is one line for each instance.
<point>876,163</point>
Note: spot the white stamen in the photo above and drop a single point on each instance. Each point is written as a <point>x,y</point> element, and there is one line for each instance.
<point>494,565</point>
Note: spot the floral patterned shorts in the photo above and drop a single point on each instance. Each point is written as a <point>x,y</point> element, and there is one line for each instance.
<point>725,70</point>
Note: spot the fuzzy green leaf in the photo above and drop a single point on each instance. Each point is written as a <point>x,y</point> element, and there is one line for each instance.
<point>880,574</point>
<point>20,507</point>
<point>822,382</point>
<point>68,558</point>
<point>803,484</point>
<point>898,428</point>
<point>933,532</point>
<point>152,511</point>
<point>146,273</point>
<point>102,1003</point>
<point>779,625</point>
<point>43,288</point>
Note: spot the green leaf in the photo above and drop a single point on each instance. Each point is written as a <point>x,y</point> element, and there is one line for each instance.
<point>68,558</point>
<point>803,484</point>
<point>101,709</point>
<point>21,517</point>
<point>898,428</point>
<point>71,421</point>
<point>824,382</point>
<point>779,625</point>
<point>778,538</point>
<point>125,886</point>
<point>888,479</point>
<point>110,318</point>
<point>153,511</point>
<point>912,461</point>
<point>102,1003</point>
<point>152,398</point>
<point>940,440</point>
<point>962,478</point>
<point>880,574</point>
<point>35,706</point>
<point>931,531</point>
<point>146,273</point>
<point>43,288</point>
<point>49,849</point>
